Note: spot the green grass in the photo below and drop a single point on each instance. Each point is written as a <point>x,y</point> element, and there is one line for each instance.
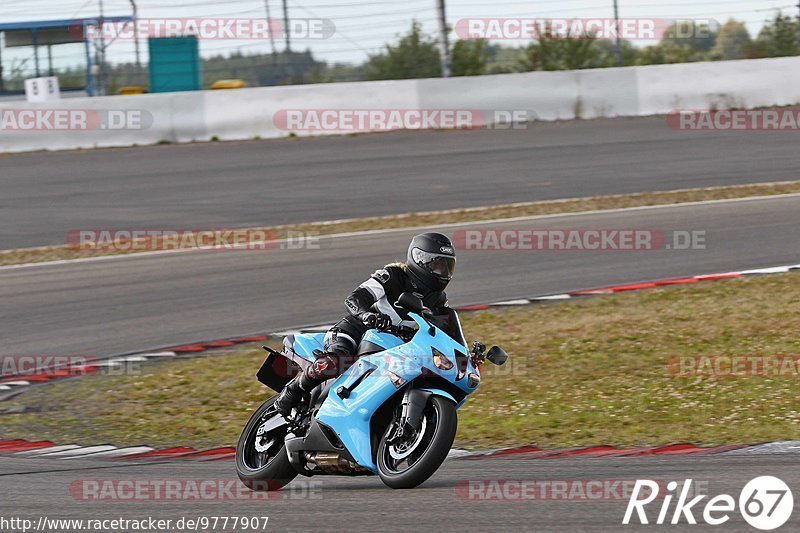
<point>582,372</point>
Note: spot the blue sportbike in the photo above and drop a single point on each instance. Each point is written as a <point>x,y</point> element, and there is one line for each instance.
<point>391,413</point>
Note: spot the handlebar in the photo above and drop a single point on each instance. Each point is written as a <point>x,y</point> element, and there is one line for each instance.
<point>404,332</point>
<point>401,330</point>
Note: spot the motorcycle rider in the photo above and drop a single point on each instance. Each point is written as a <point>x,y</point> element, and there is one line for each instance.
<point>430,263</point>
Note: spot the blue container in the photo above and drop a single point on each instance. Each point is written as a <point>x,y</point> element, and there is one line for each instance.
<point>174,64</point>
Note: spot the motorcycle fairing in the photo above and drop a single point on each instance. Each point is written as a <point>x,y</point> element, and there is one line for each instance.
<point>305,343</point>
<point>350,417</point>
<point>380,339</point>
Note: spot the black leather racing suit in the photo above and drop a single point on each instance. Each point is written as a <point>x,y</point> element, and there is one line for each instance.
<point>378,295</point>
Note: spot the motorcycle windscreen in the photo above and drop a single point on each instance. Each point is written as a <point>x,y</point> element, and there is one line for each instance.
<point>374,341</point>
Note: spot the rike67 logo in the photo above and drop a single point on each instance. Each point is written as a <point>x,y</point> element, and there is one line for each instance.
<point>765,503</point>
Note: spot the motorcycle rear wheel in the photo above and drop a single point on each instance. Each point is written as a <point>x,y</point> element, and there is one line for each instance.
<point>409,463</point>
<point>265,470</point>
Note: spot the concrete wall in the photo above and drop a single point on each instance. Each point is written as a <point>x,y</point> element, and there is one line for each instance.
<point>248,113</point>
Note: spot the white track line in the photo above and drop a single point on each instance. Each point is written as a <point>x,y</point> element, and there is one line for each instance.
<point>115,361</point>
<point>79,451</point>
<point>367,233</point>
<point>320,328</point>
<point>119,452</point>
<point>781,447</point>
<point>131,359</point>
<point>457,452</point>
<point>105,362</point>
<point>772,270</point>
<point>523,301</point>
<point>40,451</point>
<point>158,354</point>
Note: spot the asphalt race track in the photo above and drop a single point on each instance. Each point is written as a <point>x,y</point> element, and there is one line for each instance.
<point>213,185</point>
<point>121,304</point>
<point>34,488</point>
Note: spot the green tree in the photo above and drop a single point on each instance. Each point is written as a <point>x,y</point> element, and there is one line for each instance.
<point>608,51</point>
<point>554,52</point>
<point>733,41</point>
<point>669,53</point>
<point>338,72</point>
<point>682,42</point>
<point>698,37</point>
<point>470,57</point>
<point>415,56</point>
<point>778,38</point>
<point>285,68</point>
<point>504,60</point>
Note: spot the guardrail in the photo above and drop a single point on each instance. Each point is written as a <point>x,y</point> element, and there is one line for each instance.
<point>250,113</point>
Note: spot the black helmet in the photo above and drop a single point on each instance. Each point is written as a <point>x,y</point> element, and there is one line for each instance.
<point>431,260</point>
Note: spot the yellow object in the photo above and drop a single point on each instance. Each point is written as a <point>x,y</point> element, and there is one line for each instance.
<point>133,89</point>
<point>229,84</point>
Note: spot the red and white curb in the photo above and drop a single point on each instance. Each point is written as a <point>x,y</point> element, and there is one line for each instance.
<point>12,385</point>
<point>23,449</point>
<point>635,287</point>
<point>681,448</point>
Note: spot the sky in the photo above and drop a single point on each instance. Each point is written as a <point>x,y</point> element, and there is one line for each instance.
<point>362,27</point>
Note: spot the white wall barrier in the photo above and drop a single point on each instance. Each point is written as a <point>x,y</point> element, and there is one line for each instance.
<point>250,113</point>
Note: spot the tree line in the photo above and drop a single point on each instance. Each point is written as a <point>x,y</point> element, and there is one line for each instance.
<point>416,55</point>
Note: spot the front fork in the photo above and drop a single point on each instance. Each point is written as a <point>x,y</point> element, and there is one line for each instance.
<point>415,400</point>
<point>411,412</point>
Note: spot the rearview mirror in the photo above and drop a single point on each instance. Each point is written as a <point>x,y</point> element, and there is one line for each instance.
<point>497,355</point>
<point>409,302</point>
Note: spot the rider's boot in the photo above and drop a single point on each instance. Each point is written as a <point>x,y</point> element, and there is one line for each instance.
<point>322,369</point>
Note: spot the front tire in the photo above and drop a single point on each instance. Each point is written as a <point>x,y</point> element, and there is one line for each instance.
<point>407,464</point>
<point>267,468</point>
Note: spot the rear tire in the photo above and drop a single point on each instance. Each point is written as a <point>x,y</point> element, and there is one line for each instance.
<point>439,431</point>
<point>263,471</point>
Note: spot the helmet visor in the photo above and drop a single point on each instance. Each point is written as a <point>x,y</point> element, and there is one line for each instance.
<point>442,266</point>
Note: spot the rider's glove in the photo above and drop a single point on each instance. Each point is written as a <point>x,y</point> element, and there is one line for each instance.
<point>376,320</point>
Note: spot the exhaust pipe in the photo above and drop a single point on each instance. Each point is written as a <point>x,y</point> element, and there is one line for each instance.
<point>333,463</point>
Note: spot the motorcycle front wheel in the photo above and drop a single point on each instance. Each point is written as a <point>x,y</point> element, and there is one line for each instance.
<point>261,460</point>
<point>411,461</point>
